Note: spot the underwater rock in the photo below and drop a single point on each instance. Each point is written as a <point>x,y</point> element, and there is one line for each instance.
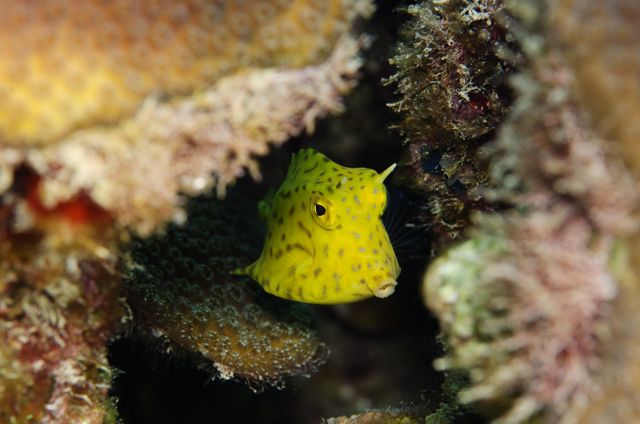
<point>180,287</point>
<point>531,305</point>
<point>451,79</point>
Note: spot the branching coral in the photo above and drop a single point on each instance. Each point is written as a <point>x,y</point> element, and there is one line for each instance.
<point>526,303</point>
<point>180,287</point>
<point>451,81</point>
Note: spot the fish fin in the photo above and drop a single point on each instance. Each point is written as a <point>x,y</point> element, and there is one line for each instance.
<point>247,270</point>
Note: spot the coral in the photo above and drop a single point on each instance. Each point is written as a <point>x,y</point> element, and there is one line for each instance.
<point>218,130</point>
<point>65,66</point>
<point>180,287</point>
<point>59,305</point>
<point>450,77</point>
<point>111,115</point>
<point>617,399</point>
<point>449,71</point>
<point>376,417</point>
<point>605,77</point>
<point>527,304</point>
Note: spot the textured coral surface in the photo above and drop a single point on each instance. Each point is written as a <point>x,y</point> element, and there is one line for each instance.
<point>451,81</point>
<point>274,87</point>
<point>110,114</point>
<point>66,65</point>
<point>600,41</point>
<point>59,306</point>
<point>375,417</point>
<point>180,287</point>
<point>529,304</point>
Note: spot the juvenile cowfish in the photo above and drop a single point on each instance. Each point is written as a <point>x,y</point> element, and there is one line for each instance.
<point>325,240</point>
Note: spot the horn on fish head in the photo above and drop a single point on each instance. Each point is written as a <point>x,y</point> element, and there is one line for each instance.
<point>384,174</point>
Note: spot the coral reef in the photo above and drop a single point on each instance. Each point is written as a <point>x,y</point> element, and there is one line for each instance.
<point>451,79</point>
<point>71,66</point>
<point>218,130</point>
<point>217,127</point>
<point>59,306</point>
<point>180,287</point>
<point>112,114</point>
<point>528,305</point>
<point>376,417</point>
<point>124,126</point>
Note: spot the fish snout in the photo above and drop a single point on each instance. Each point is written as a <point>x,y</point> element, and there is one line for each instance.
<point>385,289</point>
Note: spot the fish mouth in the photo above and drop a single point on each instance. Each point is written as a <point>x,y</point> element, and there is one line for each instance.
<point>385,289</point>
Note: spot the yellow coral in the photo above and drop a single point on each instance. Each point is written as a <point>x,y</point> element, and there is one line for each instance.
<point>68,65</point>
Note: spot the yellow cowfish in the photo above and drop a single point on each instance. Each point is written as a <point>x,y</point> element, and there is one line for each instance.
<point>325,240</point>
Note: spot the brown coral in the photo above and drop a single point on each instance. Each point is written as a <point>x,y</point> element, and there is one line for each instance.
<point>219,130</point>
<point>183,140</point>
<point>181,289</point>
<point>377,417</point>
<point>600,41</point>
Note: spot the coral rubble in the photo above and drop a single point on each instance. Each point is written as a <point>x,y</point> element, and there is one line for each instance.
<point>180,287</point>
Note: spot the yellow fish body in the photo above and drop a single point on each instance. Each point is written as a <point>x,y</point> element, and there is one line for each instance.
<point>325,240</point>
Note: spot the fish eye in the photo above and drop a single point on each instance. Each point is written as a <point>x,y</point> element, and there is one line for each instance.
<point>322,211</point>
